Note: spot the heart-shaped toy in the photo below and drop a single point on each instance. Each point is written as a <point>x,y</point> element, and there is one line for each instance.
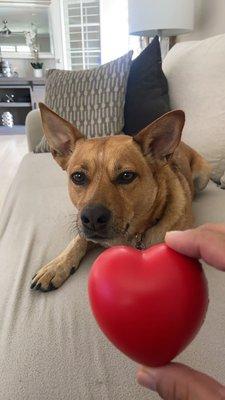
<point>150,304</point>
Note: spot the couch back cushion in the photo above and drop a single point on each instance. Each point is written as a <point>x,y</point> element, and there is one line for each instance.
<point>196,76</point>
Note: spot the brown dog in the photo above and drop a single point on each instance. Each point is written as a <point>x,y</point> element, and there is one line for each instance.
<point>128,190</point>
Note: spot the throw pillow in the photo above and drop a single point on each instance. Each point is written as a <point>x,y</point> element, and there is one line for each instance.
<point>196,77</point>
<point>93,100</point>
<point>147,90</point>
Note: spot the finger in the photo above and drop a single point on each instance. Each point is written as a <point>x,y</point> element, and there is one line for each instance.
<point>178,382</point>
<point>207,244</point>
<point>212,227</point>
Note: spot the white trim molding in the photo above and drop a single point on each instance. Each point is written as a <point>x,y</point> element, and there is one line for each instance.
<point>45,3</point>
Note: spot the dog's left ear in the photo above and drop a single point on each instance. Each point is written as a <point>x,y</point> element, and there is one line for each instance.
<point>61,135</point>
<point>162,136</point>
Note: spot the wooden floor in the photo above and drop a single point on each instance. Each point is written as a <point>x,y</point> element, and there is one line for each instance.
<point>12,150</point>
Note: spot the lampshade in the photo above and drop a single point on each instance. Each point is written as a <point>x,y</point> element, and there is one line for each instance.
<point>171,17</point>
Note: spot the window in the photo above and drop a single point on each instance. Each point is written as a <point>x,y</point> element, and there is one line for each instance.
<point>82,21</point>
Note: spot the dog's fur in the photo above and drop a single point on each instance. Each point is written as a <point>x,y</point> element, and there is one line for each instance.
<point>157,200</point>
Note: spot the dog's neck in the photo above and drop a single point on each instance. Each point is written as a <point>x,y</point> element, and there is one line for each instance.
<point>158,222</point>
<point>159,208</point>
<point>139,239</point>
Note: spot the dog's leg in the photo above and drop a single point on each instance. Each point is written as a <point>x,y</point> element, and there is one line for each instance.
<point>200,169</point>
<point>52,275</point>
<point>157,234</point>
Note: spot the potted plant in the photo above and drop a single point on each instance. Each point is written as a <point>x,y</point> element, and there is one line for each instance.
<point>31,41</point>
<point>38,69</point>
<point>37,65</point>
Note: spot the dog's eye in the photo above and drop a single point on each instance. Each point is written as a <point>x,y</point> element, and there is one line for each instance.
<point>79,178</point>
<point>126,177</point>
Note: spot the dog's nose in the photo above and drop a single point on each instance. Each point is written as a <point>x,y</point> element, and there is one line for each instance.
<point>95,217</point>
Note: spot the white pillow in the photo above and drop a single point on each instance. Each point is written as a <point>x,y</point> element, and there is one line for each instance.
<point>196,78</point>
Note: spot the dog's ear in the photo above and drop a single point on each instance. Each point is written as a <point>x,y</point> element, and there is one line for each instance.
<point>161,137</point>
<point>61,135</point>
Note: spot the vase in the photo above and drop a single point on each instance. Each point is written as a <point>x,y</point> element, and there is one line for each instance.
<point>7,119</point>
<point>38,72</point>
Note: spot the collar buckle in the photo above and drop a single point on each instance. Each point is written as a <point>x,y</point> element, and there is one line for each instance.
<point>139,244</point>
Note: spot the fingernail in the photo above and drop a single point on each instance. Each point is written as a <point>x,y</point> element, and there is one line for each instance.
<point>172,233</point>
<point>146,378</point>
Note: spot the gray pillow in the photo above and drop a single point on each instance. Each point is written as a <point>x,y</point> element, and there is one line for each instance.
<point>42,147</point>
<point>93,100</point>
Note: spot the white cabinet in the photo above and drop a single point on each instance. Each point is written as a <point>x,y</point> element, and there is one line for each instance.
<point>18,97</point>
<point>58,34</point>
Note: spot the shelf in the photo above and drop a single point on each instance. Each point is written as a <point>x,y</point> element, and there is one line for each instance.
<point>20,83</point>
<point>42,56</point>
<point>15,130</point>
<point>14,105</point>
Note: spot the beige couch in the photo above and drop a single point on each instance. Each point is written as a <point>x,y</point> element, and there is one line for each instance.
<point>50,345</point>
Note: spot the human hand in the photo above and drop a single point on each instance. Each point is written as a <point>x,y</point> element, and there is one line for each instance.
<point>176,381</point>
<point>206,242</point>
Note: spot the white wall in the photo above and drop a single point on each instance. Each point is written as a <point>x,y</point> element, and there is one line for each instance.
<point>114,29</point>
<point>209,20</point>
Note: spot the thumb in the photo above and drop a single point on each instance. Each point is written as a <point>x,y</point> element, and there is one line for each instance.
<point>206,242</point>
<point>178,382</point>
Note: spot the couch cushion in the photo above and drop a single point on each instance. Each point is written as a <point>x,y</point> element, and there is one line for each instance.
<point>50,345</point>
<point>195,73</point>
<point>147,90</point>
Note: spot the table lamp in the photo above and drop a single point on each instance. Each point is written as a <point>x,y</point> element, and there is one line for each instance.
<point>165,18</point>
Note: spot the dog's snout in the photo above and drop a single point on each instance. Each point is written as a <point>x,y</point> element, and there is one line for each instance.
<point>95,217</point>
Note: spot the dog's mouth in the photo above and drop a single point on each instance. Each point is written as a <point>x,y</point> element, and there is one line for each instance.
<point>116,229</point>
<point>96,236</point>
<point>108,233</point>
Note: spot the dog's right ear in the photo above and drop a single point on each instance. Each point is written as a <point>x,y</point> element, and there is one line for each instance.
<point>61,135</point>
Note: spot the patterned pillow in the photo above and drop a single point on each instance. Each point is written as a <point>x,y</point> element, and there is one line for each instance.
<point>93,100</point>
<point>42,147</point>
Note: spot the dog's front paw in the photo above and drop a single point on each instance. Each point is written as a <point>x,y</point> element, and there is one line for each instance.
<point>51,276</point>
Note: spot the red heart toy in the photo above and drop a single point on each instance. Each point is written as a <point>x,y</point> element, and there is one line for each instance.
<point>150,303</point>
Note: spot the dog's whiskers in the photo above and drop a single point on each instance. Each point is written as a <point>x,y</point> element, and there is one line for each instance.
<point>68,223</point>
<point>77,225</point>
<point>72,225</point>
<point>122,232</point>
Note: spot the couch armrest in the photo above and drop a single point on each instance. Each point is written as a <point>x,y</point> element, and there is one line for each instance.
<point>34,130</point>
